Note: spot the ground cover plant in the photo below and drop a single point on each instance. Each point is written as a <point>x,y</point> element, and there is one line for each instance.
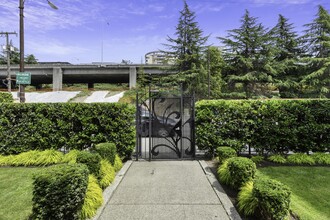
<point>16,192</point>
<point>104,170</point>
<point>309,186</point>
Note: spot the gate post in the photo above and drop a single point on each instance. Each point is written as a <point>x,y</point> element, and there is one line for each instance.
<point>137,139</point>
<point>181,116</point>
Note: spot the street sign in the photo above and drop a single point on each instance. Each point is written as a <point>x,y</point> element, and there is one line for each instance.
<point>23,78</point>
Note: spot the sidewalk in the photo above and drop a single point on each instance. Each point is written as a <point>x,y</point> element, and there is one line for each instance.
<point>169,190</point>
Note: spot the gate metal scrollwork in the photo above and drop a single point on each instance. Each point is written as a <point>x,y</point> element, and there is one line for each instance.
<point>165,126</point>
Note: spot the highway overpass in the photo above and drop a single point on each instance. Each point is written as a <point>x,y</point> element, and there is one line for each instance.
<point>58,74</point>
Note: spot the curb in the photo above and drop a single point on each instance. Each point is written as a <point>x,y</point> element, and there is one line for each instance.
<point>225,201</point>
<point>107,193</point>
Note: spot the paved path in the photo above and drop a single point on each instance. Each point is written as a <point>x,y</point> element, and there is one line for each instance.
<point>166,190</point>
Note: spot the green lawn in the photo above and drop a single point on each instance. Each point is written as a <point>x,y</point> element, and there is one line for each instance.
<point>16,192</point>
<point>310,189</point>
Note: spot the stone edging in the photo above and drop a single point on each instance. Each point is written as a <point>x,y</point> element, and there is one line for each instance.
<point>107,193</point>
<point>225,201</point>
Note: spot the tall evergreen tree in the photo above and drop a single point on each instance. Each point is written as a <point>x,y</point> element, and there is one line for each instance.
<point>30,59</point>
<point>187,47</point>
<point>317,40</point>
<point>214,63</point>
<point>248,53</point>
<point>287,52</point>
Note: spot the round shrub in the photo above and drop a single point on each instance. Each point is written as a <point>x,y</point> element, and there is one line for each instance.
<point>273,198</point>
<point>92,160</point>
<point>301,158</point>
<point>225,153</point>
<point>107,151</point>
<point>59,192</point>
<point>241,171</point>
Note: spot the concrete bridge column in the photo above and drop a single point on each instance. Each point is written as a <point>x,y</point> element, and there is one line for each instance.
<point>132,77</point>
<point>57,79</point>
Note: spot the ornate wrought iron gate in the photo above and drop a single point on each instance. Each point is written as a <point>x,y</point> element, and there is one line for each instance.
<point>165,125</point>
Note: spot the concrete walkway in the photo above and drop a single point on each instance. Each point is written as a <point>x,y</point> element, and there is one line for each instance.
<point>168,190</point>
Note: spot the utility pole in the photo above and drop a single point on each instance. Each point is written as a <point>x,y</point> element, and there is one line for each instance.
<point>8,57</point>
<point>21,92</point>
<point>208,73</point>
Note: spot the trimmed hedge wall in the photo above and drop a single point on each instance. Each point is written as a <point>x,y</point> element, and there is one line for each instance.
<point>272,125</point>
<point>6,97</point>
<point>25,127</point>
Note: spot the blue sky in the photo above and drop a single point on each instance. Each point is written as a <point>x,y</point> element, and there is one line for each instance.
<point>79,29</point>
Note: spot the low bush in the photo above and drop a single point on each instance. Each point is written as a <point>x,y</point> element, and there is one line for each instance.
<point>273,198</point>
<point>71,157</point>
<point>223,173</point>
<point>6,160</point>
<point>93,199</point>
<point>241,171</point>
<point>247,202</point>
<point>300,158</point>
<point>24,159</point>
<point>49,157</point>
<point>107,173</point>
<point>6,97</point>
<point>59,192</point>
<point>225,153</point>
<point>92,160</point>
<point>33,158</point>
<point>118,163</point>
<point>321,158</point>
<point>107,151</point>
<point>257,159</point>
<point>277,159</point>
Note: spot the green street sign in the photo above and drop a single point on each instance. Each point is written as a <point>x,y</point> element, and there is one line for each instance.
<point>23,78</point>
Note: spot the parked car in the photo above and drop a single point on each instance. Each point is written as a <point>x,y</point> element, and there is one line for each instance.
<point>161,126</point>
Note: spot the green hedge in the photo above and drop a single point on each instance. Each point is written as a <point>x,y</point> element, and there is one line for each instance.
<point>6,97</point>
<point>25,127</point>
<point>59,192</point>
<point>272,125</point>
